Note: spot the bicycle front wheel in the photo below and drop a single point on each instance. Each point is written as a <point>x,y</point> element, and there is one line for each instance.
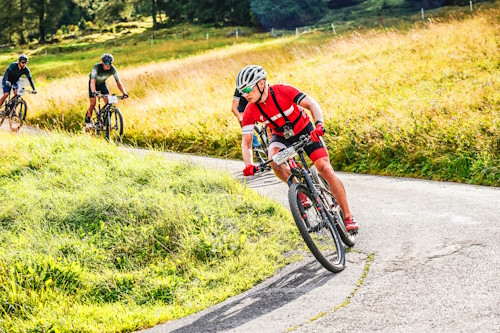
<point>114,126</point>
<point>319,234</point>
<point>18,116</point>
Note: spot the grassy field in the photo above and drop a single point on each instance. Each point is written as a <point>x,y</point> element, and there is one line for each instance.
<point>94,239</point>
<point>420,103</point>
<point>130,46</point>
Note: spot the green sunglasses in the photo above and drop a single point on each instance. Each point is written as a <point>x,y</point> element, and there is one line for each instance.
<point>247,90</point>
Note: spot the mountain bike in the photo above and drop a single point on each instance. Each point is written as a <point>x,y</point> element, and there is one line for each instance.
<point>316,212</point>
<point>262,136</point>
<point>15,109</point>
<point>108,119</point>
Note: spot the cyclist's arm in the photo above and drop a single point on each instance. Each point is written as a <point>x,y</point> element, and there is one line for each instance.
<point>30,79</point>
<point>248,125</point>
<point>6,76</point>
<point>121,87</point>
<point>312,106</point>
<point>234,108</point>
<point>31,83</point>
<point>92,85</point>
<point>246,148</point>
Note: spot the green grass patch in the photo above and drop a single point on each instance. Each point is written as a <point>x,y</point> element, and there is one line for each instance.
<point>94,239</point>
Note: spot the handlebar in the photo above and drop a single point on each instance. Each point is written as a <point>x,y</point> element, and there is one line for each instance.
<point>286,154</point>
<point>98,94</point>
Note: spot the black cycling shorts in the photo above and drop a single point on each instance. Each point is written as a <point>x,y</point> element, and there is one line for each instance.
<point>102,88</point>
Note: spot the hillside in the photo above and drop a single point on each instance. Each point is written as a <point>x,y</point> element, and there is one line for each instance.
<point>89,231</point>
<point>419,103</point>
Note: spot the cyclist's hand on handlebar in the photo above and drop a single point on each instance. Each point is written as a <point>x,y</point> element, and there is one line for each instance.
<point>34,91</point>
<point>249,170</point>
<point>95,93</point>
<point>125,96</point>
<point>317,132</point>
<point>8,84</point>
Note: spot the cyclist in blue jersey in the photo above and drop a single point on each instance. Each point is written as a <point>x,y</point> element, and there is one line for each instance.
<point>13,73</point>
<point>97,83</point>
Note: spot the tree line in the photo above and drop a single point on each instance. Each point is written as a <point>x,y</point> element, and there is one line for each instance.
<point>23,21</point>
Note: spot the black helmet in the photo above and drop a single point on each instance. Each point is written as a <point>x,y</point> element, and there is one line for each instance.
<point>106,57</point>
<point>23,57</point>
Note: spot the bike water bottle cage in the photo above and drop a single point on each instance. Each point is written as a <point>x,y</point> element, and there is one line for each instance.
<point>287,129</point>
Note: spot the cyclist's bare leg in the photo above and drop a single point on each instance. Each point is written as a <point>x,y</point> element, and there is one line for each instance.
<point>91,107</point>
<point>281,171</point>
<point>326,171</point>
<point>2,99</point>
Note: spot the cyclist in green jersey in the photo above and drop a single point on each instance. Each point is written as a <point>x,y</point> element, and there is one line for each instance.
<point>97,83</point>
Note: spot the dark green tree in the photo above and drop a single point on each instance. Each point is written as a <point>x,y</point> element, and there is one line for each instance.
<point>44,15</point>
<point>287,13</point>
<point>175,11</point>
<point>8,19</point>
<point>109,11</point>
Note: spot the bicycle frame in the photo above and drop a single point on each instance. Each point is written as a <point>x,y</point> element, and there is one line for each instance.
<point>302,174</point>
<point>101,112</point>
<point>12,102</point>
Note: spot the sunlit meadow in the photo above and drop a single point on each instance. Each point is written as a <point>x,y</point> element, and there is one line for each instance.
<point>421,103</point>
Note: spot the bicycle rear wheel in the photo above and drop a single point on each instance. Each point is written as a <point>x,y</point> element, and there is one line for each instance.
<point>114,125</point>
<point>320,235</point>
<point>333,208</point>
<point>18,115</point>
<point>262,151</point>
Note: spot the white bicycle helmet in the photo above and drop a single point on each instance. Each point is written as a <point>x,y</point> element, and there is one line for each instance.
<point>249,76</point>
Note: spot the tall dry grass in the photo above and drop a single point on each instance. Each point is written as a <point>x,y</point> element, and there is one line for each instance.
<point>421,103</point>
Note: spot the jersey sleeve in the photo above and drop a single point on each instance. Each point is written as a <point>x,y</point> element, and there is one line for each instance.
<point>93,74</point>
<point>30,79</point>
<point>237,95</point>
<point>6,75</point>
<point>115,74</point>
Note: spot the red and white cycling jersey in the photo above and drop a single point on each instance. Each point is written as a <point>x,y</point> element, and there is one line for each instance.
<point>288,98</point>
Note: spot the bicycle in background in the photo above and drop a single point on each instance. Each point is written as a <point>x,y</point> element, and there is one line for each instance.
<point>16,109</point>
<point>108,119</point>
<point>261,153</point>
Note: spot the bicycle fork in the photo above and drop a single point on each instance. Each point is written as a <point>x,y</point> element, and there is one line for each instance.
<point>319,204</point>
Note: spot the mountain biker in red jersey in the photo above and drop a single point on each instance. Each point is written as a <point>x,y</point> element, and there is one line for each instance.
<point>281,107</point>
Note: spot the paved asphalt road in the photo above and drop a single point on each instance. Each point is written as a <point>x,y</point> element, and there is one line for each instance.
<point>430,251</point>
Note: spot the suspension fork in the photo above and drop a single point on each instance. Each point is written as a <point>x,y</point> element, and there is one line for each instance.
<point>306,178</point>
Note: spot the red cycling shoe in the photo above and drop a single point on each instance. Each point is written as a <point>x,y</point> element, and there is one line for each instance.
<point>350,224</point>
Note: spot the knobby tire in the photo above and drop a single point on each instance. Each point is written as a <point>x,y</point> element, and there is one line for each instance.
<point>114,125</point>
<point>320,236</point>
<point>18,115</point>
